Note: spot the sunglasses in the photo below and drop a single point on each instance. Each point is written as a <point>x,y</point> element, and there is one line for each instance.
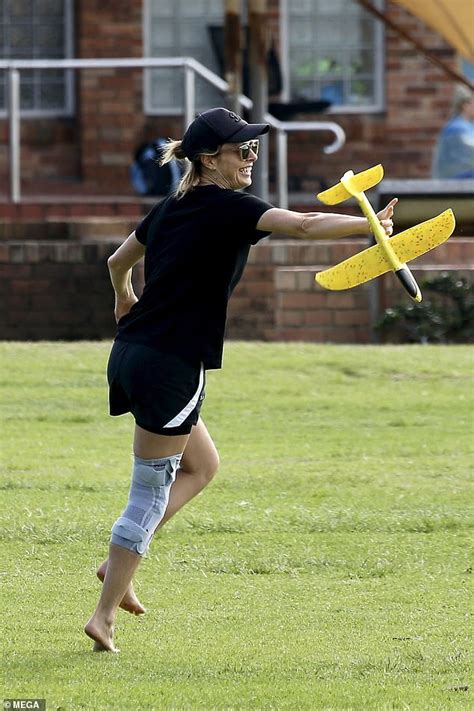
<point>245,149</point>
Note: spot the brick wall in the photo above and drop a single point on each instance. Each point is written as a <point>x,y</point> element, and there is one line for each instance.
<point>58,289</point>
<point>55,291</point>
<point>94,147</point>
<point>49,150</point>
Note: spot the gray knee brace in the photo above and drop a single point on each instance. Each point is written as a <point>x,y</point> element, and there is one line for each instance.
<point>147,502</point>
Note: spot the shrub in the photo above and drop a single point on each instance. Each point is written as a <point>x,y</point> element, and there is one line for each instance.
<point>446,314</point>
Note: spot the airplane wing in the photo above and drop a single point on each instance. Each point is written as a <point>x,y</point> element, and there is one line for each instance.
<point>427,235</point>
<point>356,270</point>
<point>372,262</point>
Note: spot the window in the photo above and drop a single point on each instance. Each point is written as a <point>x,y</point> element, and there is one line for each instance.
<point>180,28</point>
<point>332,50</point>
<point>38,29</point>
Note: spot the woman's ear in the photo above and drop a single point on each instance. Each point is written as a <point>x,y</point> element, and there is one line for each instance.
<point>208,161</point>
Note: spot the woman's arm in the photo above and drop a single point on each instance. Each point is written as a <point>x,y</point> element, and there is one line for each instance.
<point>321,225</point>
<point>120,265</point>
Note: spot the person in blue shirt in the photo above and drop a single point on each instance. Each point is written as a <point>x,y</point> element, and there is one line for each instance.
<point>454,152</point>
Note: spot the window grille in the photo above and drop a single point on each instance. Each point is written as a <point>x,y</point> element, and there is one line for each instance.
<point>180,28</point>
<point>38,29</point>
<point>333,50</point>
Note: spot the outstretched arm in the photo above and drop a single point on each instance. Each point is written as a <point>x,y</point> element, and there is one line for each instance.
<point>322,225</point>
<point>120,265</point>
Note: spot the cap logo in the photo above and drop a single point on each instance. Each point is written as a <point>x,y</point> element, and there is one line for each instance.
<point>234,117</point>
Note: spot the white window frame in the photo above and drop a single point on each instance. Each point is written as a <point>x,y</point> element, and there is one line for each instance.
<point>69,79</point>
<point>148,107</point>
<point>378,106</point>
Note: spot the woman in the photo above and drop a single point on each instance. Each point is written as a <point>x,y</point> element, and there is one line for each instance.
<point>196,245</point>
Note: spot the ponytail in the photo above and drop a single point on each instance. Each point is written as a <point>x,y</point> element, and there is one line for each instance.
<point>173,150</point>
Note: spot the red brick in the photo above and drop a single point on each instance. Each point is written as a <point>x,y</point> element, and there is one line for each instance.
<point>29,211</point>
<point>261,288</point>
<point>18,303</point>
<point>80,210</point>
<point>318,317</point>
<point>44,302</point>
<point>258,254</point>
<point>290,318</point>
<point>239,304</point>
<point>285,280</point>
<point>8,211</point>
<point>130,210</point>
<point>342,300</point>
<point>353,317</point>
<point>20,286</point>
<point>14,271</point>
<point>340,335</point>
<point>304,280</point>
<point>303,300</point>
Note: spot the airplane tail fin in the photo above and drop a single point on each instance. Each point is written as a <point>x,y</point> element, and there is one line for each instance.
<point>359,182</point>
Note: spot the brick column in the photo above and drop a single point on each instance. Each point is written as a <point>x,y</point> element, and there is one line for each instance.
<point>110,102</point>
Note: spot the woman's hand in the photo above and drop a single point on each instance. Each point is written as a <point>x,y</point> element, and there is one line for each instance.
<point>120,265</point>
<point>123,306</point>
<point>385,216</point>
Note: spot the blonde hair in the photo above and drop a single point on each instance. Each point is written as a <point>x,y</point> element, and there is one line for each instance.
<point>192,174</point>
<point>462,96</point>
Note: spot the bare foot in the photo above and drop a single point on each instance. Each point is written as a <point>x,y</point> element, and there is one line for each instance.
<point>103,635</point>
<point>130,601</point>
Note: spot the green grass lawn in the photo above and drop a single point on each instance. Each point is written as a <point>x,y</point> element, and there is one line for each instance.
<point>326,567</point>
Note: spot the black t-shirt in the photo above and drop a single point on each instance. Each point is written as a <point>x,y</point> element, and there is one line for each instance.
<point>196,250</point>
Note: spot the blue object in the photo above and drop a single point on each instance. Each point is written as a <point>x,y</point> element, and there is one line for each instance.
<point>147,176</point>
<point>454,153</point>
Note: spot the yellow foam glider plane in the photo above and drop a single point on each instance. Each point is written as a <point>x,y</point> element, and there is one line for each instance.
<point>390,253</point>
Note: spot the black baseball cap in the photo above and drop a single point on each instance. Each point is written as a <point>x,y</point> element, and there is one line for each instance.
<point>212,128</point>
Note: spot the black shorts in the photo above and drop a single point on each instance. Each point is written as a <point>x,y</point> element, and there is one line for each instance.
<point>163,392</point>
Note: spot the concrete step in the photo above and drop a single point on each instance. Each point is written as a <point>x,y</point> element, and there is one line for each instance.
<point>80,209</point>
<point>69,229</point>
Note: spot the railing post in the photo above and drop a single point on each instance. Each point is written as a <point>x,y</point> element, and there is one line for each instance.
<point>14,120</point>
<point>282,167</point>
<point>189,95</point>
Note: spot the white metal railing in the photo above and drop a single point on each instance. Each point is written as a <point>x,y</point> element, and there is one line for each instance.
<point>190,68</point>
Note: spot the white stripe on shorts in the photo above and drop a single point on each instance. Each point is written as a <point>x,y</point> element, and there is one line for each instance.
<point>181,416</point>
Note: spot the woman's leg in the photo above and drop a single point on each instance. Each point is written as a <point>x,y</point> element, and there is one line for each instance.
<point>199,464</point>
<point>122,562</point>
